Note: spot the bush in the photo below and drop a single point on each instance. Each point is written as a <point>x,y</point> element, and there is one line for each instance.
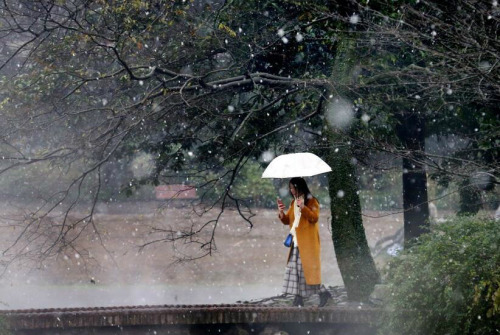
<point>448,282</point>
<point>3,326</point>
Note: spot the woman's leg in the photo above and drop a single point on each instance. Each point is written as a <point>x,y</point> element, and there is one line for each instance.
<point>295,282</point>
<point>324,295</point>
<point>291,280</point>
<point>305,290</point>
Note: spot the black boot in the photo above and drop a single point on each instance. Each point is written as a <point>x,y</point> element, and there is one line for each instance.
<point>323,298</point>
<point>298,301</point>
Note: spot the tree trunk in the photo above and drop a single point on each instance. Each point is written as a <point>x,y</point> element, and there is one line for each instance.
<point>470,199</point>
<point>348,234</point>
<point>411,132</point>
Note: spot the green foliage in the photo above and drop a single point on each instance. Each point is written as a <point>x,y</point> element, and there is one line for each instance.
<point>252,188</point>
<point>3,327</point>
<point>447,283</point>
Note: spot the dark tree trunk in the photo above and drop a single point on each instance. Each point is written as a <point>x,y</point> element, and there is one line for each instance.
<point>470,199</point>
<point>354,258</point>
<point>411,132</point>
<point>348,234</point>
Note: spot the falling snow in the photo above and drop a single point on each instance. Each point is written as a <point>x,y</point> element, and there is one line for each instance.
<point>340,113</point>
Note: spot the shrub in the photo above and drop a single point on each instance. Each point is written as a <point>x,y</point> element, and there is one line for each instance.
<point>448,282</point>
<point>3,326</point>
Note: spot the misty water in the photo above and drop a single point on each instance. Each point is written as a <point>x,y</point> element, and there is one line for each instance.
<point>66,296</point>
<point>247,265</point>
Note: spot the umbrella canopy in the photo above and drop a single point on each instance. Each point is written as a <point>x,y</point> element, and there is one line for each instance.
<point>302,164</point>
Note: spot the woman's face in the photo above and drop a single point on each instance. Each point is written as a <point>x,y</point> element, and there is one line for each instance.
<point>293,190</point>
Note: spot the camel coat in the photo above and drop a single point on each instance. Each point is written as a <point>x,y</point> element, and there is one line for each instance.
<point>307,239</point>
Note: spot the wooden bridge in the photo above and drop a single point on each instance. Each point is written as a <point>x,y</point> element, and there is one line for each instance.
<point>234,319</point>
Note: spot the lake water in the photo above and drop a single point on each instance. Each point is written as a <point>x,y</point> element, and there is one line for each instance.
<point>31,296</point>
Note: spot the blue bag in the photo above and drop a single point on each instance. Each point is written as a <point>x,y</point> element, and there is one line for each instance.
<point>288,240</point>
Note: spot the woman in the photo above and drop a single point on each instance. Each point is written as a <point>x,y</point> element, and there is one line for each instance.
<point>303,271</point>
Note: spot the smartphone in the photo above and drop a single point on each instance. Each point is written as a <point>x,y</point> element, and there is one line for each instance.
<point>280,203</point>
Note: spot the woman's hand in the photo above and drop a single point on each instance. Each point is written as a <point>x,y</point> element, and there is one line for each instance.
<point>281,208</point>
<point>300,202</point>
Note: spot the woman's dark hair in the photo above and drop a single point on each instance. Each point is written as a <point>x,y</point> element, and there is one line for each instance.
<point>301,187</point>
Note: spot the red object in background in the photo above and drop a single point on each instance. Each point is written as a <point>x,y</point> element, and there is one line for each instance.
<point>175,191</point>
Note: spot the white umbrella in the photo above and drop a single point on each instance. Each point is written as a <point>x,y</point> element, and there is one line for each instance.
<point>302,164</point>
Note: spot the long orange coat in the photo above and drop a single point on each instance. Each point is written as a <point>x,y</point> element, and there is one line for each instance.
<point>308,239</point>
